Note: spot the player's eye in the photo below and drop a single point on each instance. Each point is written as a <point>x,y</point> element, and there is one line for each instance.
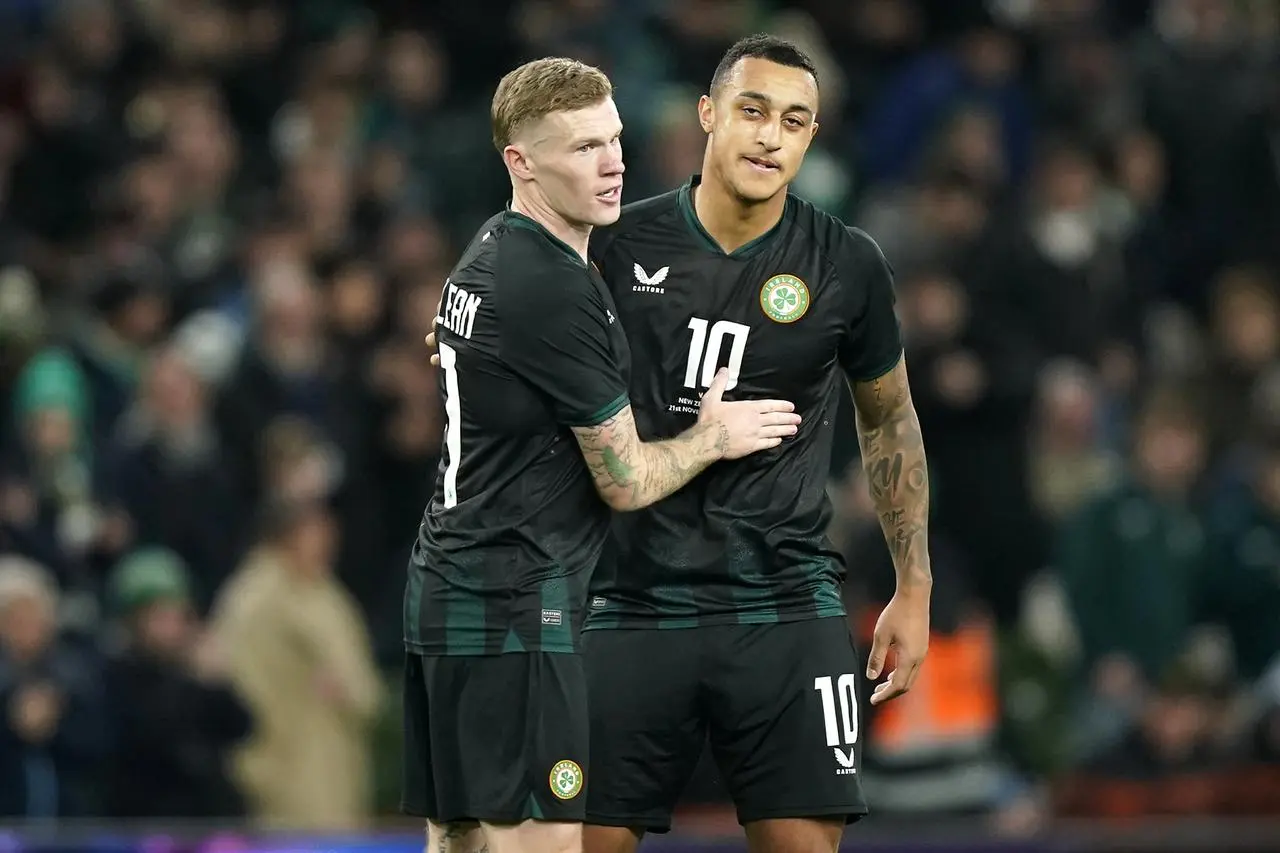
<point>583,149</point>
<point>752,111</point>
<point>795,122</point>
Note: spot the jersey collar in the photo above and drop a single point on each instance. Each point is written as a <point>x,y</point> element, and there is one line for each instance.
<point>518,220</point>
<point>690,216</point>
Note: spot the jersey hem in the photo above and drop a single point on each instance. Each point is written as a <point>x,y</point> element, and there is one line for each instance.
<point>604,412</point>
<point>436,651</point>
<point>648,620</point>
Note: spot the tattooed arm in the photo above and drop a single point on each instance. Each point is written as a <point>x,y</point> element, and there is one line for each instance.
<point>893,456</point>
<point>631,474</point>
<point>897,474</point>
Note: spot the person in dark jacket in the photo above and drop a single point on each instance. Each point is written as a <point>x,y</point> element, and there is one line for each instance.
<point>51,732</point>
<point>175,716</point>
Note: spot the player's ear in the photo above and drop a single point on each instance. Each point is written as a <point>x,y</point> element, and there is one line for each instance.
<point>517,160</point>
<point>706,113</point>
<point>813,131</point>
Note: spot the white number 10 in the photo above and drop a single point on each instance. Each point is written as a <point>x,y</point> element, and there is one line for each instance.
<point>704,351</point>
<point>847,718</point>
<point>452,423</point>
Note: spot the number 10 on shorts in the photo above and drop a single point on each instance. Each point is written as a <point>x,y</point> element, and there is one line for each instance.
<point>842,724</point>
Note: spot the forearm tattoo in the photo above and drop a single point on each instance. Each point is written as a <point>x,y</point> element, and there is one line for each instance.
<point>897,472</point>
<point>631,474</point>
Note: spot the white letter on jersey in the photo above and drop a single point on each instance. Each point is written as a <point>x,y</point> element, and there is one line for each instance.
<point>458,310</point>
<point>704,350</point>
<point>452,423</point>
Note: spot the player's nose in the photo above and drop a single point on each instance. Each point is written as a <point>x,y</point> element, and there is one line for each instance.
<point>770,136</point>
<point>613,164</point>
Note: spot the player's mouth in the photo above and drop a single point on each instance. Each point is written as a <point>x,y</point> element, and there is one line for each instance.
<point>764,165</point>
<point>611,195</point>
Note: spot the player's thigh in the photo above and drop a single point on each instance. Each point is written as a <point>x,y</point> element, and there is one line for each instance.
<point>795,835</point>
<point>784,719</point>
<point>507,738</point>
<point>610,839</point>
<point>647,732</point>
<point>533,836</point>
<point>460,837</point>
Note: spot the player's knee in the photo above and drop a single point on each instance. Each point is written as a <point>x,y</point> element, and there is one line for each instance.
<point>795,835</point>
<point>457,837</point>
<point>534,836</point>
<point>610,839</point>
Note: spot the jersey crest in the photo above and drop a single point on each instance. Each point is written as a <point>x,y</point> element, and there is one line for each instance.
<point>784,298</point>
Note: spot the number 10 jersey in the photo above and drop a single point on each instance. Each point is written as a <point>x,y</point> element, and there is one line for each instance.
<point>792,315</point>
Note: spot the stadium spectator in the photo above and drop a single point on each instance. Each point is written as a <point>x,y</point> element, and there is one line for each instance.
<point>299,653</point>
<point>174,714</point>
<point>52,718</point>
<point>224,230</point>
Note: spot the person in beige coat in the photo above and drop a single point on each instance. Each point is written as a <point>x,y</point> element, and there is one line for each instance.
<point>299,652</point>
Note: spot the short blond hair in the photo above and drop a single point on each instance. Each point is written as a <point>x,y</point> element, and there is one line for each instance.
<point>541,87</point>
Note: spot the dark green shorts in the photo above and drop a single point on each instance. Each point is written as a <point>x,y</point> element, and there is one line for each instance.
<point>779,703</point>
<point>500,738</point>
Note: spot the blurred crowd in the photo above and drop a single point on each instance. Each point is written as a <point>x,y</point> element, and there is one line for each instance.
<point>224,226</point>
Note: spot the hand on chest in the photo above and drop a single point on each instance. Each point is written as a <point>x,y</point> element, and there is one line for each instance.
<point>777,332</point>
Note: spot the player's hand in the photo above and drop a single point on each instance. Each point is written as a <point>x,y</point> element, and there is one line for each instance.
<point>431,344</point>
<point>747,425</point>
<point>903,626</point>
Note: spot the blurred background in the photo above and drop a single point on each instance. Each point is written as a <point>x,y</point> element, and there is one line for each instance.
<point>224,226</point>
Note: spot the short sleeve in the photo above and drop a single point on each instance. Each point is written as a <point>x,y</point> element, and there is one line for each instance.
<point>556,330</point>
<point>872,344</point>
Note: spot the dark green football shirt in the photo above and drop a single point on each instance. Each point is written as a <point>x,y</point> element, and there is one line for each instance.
<point>792,315</point>
<point>530,346</point>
